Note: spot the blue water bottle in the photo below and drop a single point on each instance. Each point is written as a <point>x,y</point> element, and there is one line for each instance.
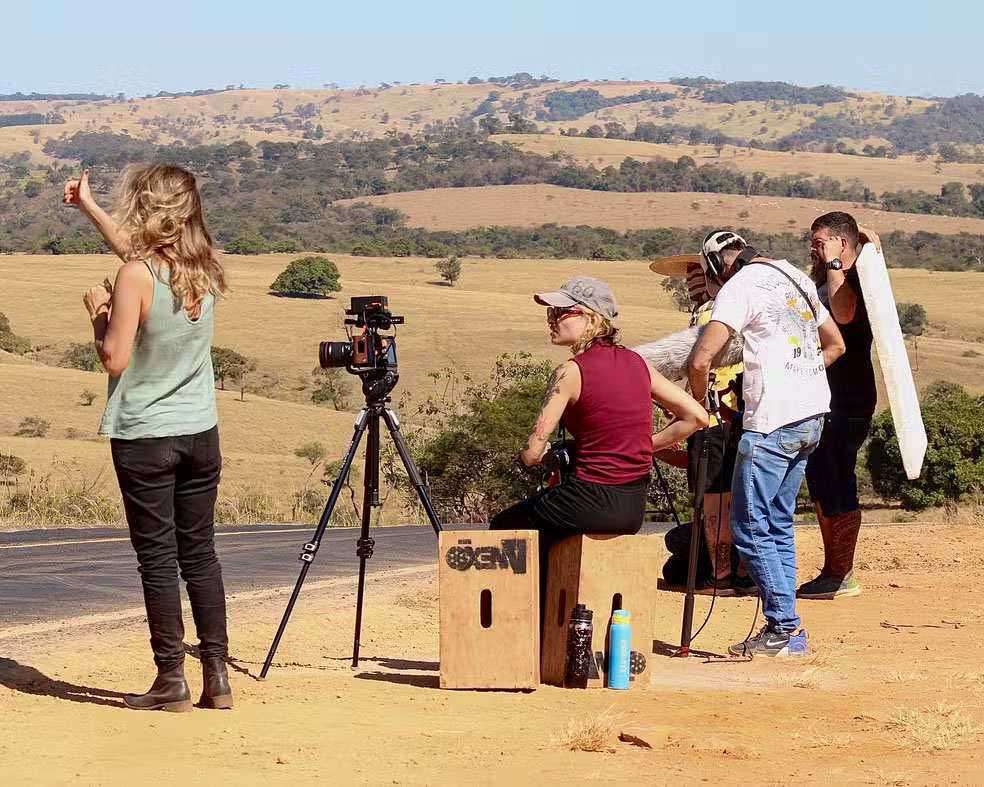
<point>619,650</point>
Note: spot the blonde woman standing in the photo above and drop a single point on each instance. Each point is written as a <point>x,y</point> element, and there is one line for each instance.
<point>153,332</point>
<point>604,397</point>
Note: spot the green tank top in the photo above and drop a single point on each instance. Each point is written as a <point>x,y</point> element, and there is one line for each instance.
<point>168,388</point>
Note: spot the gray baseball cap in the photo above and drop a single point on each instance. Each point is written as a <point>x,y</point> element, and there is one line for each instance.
<point>584,291</point>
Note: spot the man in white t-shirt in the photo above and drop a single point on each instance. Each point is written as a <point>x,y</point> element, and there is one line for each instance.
<point>790,339</point>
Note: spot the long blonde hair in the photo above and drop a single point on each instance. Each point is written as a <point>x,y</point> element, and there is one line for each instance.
<point>599,329</point>
<point>161,209</point>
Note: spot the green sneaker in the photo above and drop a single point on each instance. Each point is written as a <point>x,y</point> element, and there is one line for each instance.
<point>825,587</point>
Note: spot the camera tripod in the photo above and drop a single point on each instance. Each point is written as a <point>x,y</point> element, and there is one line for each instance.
<point>376,389</point>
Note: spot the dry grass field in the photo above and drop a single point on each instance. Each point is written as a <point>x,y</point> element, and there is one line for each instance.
<point>464,328</point>
<point>533,205</point>
<point>878,174</point>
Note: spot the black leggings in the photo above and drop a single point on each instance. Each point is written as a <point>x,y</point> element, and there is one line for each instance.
<point>169,487</point>
<point>576,507</point>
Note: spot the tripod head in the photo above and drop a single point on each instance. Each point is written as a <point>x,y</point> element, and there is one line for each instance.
<point>377,385</point>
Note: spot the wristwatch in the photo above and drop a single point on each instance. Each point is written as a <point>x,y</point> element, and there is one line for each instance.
<point>835,264</point>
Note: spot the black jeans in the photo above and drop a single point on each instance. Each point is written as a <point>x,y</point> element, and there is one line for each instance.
<point>169,487</point>
<point>830,470</point>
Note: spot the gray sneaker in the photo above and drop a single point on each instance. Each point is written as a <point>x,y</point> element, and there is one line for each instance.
<point>769,642</point>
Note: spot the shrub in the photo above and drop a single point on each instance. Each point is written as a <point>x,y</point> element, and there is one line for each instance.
<point>954,464</point>
<point>10,467</point>
<point>308,276</point>
<point>332,388</point>
<point>81,356</point>
<point>87,397</point>
<point>32,426</point>
<point>11,343</point>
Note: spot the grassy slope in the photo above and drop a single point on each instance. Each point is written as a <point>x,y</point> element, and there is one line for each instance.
<point>530,206</point>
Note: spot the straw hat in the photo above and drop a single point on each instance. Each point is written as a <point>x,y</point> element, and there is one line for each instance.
<point>675,265</point>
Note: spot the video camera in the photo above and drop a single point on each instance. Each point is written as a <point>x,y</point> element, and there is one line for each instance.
<point>370,350</point>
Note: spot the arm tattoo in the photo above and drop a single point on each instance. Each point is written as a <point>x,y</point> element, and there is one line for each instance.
<point>553,386</point>
<point>539,431</point>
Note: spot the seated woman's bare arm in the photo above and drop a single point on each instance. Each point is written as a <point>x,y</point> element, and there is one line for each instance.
<point>688,415</point>
<point>564,387</point>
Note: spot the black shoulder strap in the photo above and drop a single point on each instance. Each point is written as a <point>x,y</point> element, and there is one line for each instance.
<point>795,284</point>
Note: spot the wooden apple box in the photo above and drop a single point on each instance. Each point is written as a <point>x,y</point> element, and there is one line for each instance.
<point>605,573</point>
<point>490,609</point>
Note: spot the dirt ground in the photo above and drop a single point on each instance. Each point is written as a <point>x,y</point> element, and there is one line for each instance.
<point>893,693</point>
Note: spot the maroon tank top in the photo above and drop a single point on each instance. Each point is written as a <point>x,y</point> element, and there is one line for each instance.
<point>612,420</point>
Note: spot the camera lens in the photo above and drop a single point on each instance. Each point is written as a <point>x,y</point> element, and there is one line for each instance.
<point>334,354</point>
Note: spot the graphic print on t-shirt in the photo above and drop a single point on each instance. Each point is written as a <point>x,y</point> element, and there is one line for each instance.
<point>794,320</point>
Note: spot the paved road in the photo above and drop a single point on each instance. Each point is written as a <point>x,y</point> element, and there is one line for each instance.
<point>50,575</point>
<point>54,574</point>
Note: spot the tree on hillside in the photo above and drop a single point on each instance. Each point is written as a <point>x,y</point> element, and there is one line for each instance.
<point>450,269</point>
<point>912,320</point>
<point>247,243</point>
<point>954,464</point>
<point>333,388</point>
<point>490,124</point>
<point>308,276</point>
<point>228,365</point>
<point>87,397</point>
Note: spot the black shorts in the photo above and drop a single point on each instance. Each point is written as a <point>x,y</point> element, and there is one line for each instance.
<point>830,470</point>
<point>577,506</point>
<point>722,451</point>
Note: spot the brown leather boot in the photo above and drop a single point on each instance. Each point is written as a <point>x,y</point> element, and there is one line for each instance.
<point>216,691</point>
<point>844,530</point>
<point>170,692</point>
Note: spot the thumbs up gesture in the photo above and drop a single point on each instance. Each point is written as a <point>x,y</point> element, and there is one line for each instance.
<point>77,191</point>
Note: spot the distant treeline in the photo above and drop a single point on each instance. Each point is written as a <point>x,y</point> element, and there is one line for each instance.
<point>572,104</point>
<point>31,119</point>
<point>53,97</point>
<point>733,92</point>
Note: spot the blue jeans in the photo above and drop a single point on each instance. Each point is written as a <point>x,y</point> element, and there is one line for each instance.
<point>768,474</point>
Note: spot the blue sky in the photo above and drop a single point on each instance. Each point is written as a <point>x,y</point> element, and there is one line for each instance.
<point>899,47</point>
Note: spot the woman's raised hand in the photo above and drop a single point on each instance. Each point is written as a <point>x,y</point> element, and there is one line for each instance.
<point>77,191</point>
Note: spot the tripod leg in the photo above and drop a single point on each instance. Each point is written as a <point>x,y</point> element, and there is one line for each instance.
<point>370,498</point>
<point>410,466</point>
<point>310,549</point>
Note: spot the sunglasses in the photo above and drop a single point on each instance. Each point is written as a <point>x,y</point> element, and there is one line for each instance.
<point>557,314</point>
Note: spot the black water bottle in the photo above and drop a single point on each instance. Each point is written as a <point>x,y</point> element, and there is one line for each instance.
<point>579,656</point>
